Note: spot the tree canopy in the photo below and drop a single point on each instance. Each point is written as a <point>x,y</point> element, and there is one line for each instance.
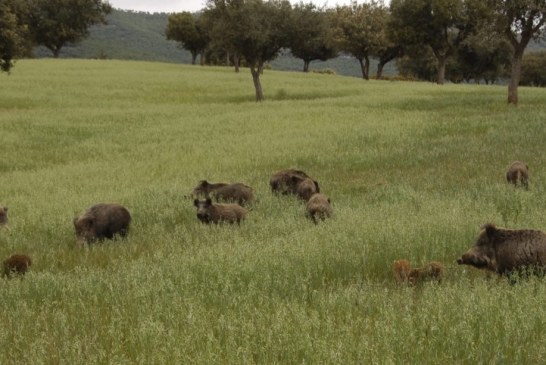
<point>429,23</point>
<point>311,36</point>
<point>54,23</point>
<point>361,31</point>
<point>519,21</point>
<point>12,33</point>
<point>254,29</point>
<point>190,32</point>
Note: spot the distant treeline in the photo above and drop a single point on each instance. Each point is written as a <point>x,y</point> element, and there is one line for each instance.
<point>130,35</point>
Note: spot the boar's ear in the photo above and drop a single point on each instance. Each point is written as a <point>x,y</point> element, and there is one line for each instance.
<point>5,209</point>
<point>203,183</point>
<point>317,186</point>
<point>75,220</point>
<point>329,201</point>
<point>196,202</point>
<point>490,229</point>
<point>208,202</point>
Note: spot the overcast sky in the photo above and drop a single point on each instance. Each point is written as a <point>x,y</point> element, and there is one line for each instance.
<point>169,6</point>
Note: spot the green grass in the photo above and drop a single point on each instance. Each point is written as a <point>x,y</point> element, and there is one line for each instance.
<point>413,171</point>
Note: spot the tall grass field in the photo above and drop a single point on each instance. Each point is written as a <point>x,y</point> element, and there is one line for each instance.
<point>413,170</point>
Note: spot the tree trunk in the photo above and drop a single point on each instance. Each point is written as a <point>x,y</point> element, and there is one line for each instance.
<point>363,68</point>
<point>441,76</point>
<point>202,57</point>
<point>306,65</point>
<point>256,71</point>
<point>515,76</point>
<point>379,73</point>
<point>237,61</point>
<point>193,57</point>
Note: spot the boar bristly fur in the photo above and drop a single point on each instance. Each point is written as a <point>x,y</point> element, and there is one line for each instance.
<point>506,250</point>
<point>286,181</point>
<point>100,221</point>
<point>3,216</point>
<point>207,212</point>
<point>306,188</point>
<point>404,274</point>
<point>318,207</point>
<point>401,270</point>
<point>432,271</point>
<point>16,265</point>
<point>518,173</point>
<point>238,192</point>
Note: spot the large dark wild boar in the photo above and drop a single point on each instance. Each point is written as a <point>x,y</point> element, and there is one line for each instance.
<point>207,212</point>
<point>3,216</point>
<point>104,220</point>
<point>16,264</point>
<point>286,181</point>
<point>506,250</point>
<point>237,192</point>
<point>319,206</point>
<point>518,172</point>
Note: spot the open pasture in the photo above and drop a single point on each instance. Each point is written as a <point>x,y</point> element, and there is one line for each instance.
<point>413,170</point>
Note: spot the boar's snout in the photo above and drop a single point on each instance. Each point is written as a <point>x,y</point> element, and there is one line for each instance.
<point>473,260</point>
<point>203,217</point>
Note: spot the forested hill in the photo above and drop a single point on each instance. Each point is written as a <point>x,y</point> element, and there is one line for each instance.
<point>127,35</point>
<point>141,36</point>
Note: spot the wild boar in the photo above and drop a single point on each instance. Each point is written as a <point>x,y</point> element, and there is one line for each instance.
<point>207,212</point>
<point>401,270</point>
<point>404,274</point>
<point>507,250</point>
<point>306,188</point>
<point>432,271</point>
<point>3,216</point>
<point>319,206</point>
<point>238,192</point>
<point>518,172</point>
<point>16,265</point>
<point>286,181</point>
<point>100,221</point>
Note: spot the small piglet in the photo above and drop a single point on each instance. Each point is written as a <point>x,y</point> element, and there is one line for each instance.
<point>207,212</point>
<point>237,192</point>
<point>319,206</point>
<point>16,265</point>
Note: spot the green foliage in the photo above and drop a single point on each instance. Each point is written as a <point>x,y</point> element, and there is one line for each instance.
<point>189,31</point>
<point>311,35</point>
<point>436,24</point>
<point>54,23</point>
<point>12,33</point>
<point>413,171</point>
<point>254,29</point>
<point>362,31</point>
<point>519,21</point>
<point>534,69</point>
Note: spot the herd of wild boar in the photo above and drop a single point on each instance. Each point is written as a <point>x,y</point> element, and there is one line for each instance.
<point>499,250</point>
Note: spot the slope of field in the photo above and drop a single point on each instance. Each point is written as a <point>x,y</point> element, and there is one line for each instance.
<point>413,171</point>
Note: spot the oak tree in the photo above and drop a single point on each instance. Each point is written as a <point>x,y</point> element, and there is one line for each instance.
<point>54,23</point>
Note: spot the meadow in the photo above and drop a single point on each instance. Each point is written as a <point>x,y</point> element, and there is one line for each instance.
<point>413,170</point>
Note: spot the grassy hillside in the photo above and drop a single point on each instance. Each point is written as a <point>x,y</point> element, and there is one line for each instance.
<point>413,170</point>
